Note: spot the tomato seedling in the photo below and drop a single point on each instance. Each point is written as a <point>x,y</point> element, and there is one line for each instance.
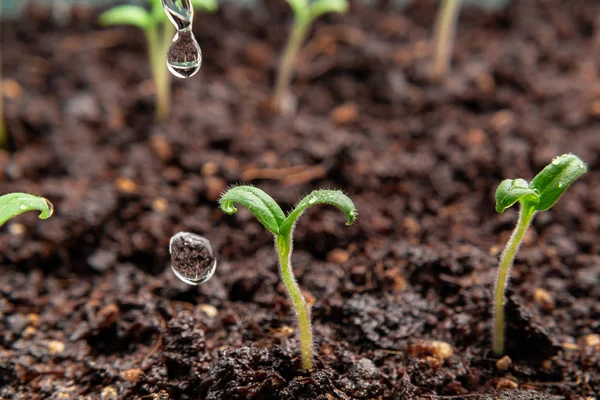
<point>538,195</point>
<point>305,12</point>
<point>268,212</point>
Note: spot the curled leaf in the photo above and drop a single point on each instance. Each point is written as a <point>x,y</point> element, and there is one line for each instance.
<point>555,178</point>
<point>333,197</point>
<point>512,190</point>
<point>13,204</point>
<point>264,208</point>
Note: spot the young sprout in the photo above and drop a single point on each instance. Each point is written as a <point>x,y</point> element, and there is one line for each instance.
<point>305,12</point>
<point>538,195</point>
<point>444,31</point>
<point>13,204</point>
<point>268,212</point>
<point>159,35</point>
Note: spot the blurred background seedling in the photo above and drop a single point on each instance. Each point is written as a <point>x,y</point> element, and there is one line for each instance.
<point>159,35</point>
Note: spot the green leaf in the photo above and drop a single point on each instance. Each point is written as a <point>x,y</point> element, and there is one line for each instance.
<point>555,178</point>
<point>512,190</point>
<point>13,204</point>
<point>333,197</point>
<point>264,208</point>
<point>300,8</point>
<point>127,15</point>
<point>320,7</point>
<point>205,5</point>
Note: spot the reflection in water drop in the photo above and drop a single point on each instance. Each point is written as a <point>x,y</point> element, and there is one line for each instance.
<point>184,56</point>
<point>180,12</point>
<point>192,258</point>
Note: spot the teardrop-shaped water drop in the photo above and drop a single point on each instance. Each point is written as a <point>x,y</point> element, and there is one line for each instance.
<point>180,12</point>
<point>192,258</point>
<point>184,56</point>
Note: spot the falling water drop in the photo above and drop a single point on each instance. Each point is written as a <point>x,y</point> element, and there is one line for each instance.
<point>184,56</point>
<point>192,258</point>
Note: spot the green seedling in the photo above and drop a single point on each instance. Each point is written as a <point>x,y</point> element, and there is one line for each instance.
<point>444,32</point>
<point>305,12</point>
<point>159,34</point>
<point>13,204</point>
<point>538,195</point>
<point>268,212</point>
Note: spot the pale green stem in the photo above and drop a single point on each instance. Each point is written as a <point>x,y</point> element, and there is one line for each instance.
<point>288,61</point>
<point>158,45</point>
<point>283,244</point>
<point>443,36</point>
<point>506,262</point>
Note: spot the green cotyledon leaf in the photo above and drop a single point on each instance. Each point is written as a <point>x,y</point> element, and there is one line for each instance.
<point>13,204</point>
<point>512,190</point>
<point>555,178</point>
<point>333,197</point>
<point>127,15</point>
<point>320,7</point>
<point>264,208</point>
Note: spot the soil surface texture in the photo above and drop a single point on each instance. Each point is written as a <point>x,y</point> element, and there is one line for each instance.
<point>89,306</point>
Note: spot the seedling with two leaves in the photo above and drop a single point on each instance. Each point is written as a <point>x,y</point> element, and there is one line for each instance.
<point>305,12</point>
<point>538,195</point>
<point>268,212</point>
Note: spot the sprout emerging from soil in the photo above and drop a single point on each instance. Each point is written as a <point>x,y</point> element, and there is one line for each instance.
<point>13,204</point>
<point>159,34</point>
<point>268,212</point>
<point>538,195</point>
<point>443,36</point>
<point>305,12</point>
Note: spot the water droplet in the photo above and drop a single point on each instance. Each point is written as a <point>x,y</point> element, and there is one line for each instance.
<point>22,206</point>
<point>560,184</point>
<point>556,160</point>
<point>184,56</point>
<point>312,200</point>
<point>192,258</point>
<point>180,12</point>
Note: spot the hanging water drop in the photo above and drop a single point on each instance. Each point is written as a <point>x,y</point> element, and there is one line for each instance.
<point>184,56</point>
<point>192,258</point>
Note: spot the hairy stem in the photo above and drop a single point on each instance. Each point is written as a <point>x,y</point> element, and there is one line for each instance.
<point>288,61</point>
<point>283,244</point>
<point>506,262</point>
<point>159,38</point>
<point>443,36</point>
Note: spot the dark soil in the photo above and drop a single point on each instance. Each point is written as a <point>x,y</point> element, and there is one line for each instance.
<point>90,307</point>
